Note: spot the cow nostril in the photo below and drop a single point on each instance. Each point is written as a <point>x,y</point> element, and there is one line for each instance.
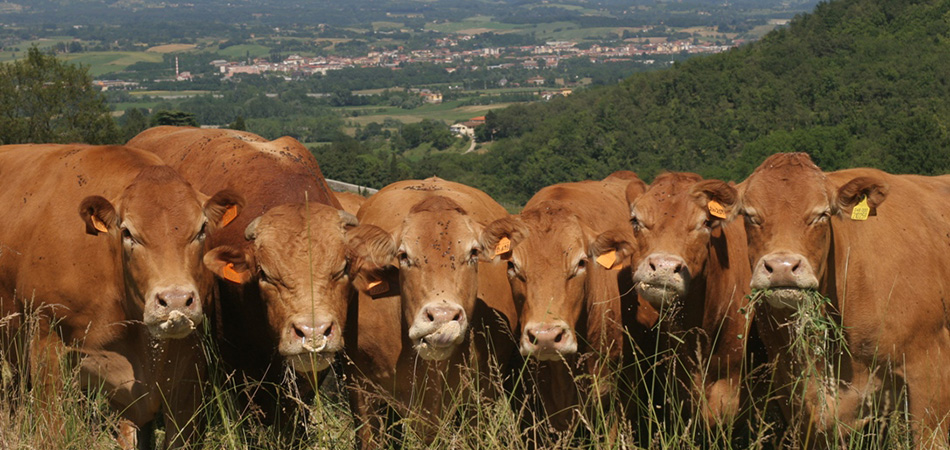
<point>328,331</point>
<point>299,332</point>
<point>652,266</point>
<point>768,268</point>
<point>457,317</point>
<point>430,316</point>
<point>678,268</point>
<point>557,339</point>
<point>162,302</point>
<point>532,338</point>
<point>189,301</point>
<point>798,263</point>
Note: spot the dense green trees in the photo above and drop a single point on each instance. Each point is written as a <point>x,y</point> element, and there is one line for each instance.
<point>43,99</point>
<point>856,83</point>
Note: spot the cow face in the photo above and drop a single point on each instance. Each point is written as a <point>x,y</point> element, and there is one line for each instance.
<point>788,204</point>
<point>158,228</point>
<point>296,257</point>
<point>550,263</point>
<point>672,222</point>
<point>436,254</point>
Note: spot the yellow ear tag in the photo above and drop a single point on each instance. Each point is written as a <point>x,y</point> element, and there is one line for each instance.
<point>861,210</point>
<point>377,287</point>
<point>504,246</point>
<point>607,259</point>
<point>229,215</point>
<point>99,225</point>
<point>228,273</point>
<point>716,209</point>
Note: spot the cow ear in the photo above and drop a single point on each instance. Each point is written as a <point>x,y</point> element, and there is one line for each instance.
<point>349,220</point>
<point>860,188</point>
<point>611,249</point>
<point>501,237</point>
<point>222,208</point>
<point>635,189</point>
<point>718,198</point>
<point>98,213</point>
<point>230,263</point>
<point>369,247</point>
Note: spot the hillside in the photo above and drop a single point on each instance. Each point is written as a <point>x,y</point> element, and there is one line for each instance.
<point>855,83</point>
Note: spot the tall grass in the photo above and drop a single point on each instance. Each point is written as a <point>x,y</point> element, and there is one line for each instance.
<point>653,406</point>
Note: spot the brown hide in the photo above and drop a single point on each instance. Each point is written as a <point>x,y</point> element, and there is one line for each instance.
<point>886,277</point>
<point>570,303</point>
<point>690,264</point>
<point>95,277</point>
<point>255,313</point>
<point>422,239</point>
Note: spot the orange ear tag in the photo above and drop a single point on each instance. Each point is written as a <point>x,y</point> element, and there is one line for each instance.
<point>504,246</point>
<point>861,211</point>
<point>99,225</point>
<point>229,215</point>
<point>228,273</point>
<point>607,259</point>
<point>716,209</point>
<point>377,287</point>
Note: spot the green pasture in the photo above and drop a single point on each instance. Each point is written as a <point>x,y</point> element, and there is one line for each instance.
<point>101,63</point>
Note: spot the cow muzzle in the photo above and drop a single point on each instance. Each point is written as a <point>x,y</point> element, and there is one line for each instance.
<point>172,313</point>
<point>787,277</point>
<point>438,329</point>
<point>548,341</point>
<point>309,344</point>
<point>662,278</point>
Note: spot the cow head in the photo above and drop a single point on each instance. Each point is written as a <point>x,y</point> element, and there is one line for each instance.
<point>158,227</point>
<point>550,260</point>
<point>788,204</point>
<point>296,257</point>
<point>435,253</point>
<point>672,222</point>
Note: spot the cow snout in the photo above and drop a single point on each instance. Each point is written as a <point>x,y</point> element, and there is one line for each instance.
<point>786,275</point>
<point>310,344</point>
<point>548,341</point>
<point>662,278</point>
<point>173,313</point>
<point>438,329</point>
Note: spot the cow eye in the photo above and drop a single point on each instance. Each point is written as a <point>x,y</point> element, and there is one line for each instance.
<point>512,270</point>
<point>821,218</point>
<point>636,223</point>
<point>473,256</point>
<point>752,220</point>
<point>404,259</point>
<point>202,233</point>
<point>127,237</point>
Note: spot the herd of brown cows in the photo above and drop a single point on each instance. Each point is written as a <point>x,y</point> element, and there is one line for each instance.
<point>119,254</point>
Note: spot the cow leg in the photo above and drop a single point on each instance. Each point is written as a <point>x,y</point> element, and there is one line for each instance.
<point>47,379</point>
<point>928,389</point>
<point>370,416</point>
<point>182,387</point>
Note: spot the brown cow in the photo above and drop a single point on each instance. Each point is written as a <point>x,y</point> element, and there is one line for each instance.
<point>886,279</point>
<point>690,265</point>
<point>425,301</point>
<point>563,247</point>
<point>281,299</point>
<point>127,301</point>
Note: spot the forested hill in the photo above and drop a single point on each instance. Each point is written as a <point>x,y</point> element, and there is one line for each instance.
<point>855,83</point>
